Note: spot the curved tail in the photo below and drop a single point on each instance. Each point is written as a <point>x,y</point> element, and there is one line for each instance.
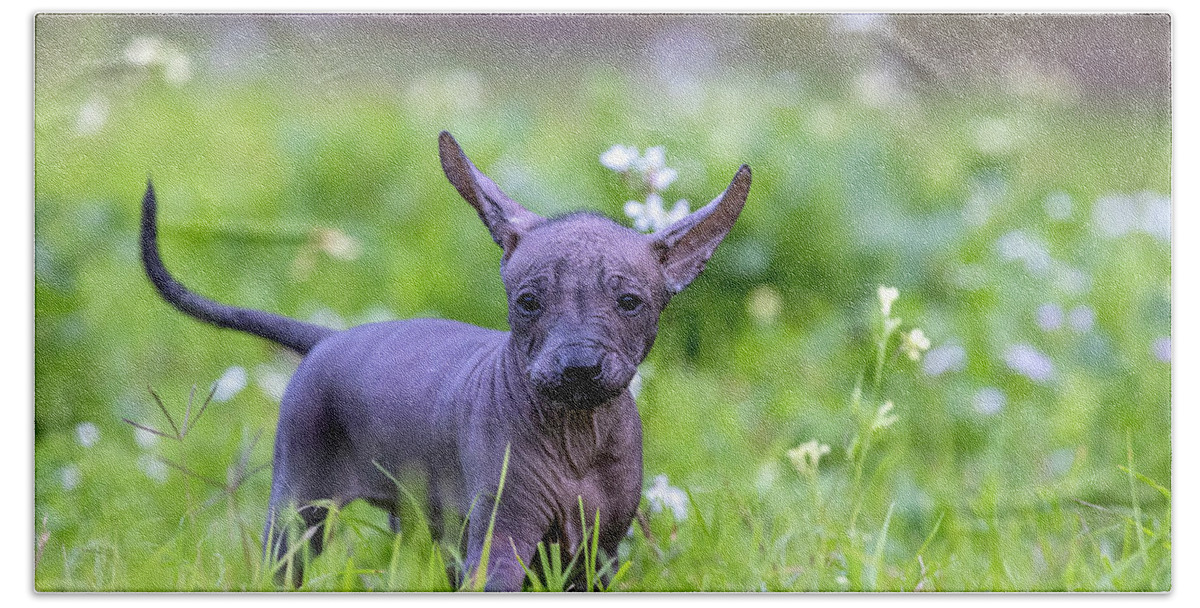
<point>296,335</point>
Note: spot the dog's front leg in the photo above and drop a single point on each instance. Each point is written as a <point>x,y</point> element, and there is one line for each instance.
<point>510,540</point>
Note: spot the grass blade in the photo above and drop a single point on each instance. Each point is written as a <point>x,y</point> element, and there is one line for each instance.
<point>480,579</point>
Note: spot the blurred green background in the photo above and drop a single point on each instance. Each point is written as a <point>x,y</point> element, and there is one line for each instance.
<point>1010,175</point>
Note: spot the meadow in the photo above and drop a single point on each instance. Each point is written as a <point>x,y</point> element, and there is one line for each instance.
<point>932,355</point>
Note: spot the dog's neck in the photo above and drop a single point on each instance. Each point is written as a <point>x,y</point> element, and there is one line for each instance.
<point>573,432</point>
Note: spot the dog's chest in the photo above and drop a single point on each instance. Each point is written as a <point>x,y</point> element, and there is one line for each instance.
<point>575,501</point>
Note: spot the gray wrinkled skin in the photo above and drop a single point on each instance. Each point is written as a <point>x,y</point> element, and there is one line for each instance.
<point>443,400</point>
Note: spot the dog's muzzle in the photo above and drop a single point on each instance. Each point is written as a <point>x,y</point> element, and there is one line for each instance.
<point>581,376</point>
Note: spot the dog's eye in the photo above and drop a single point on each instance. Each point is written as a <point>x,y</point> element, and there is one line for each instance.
<point>529,303</point>
<point>629,302</point>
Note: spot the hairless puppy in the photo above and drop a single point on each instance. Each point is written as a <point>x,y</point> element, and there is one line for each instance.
<point>447,401</point>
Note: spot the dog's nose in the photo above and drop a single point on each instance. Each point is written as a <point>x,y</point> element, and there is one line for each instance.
<point>580,365</point>
<point>581,373</point>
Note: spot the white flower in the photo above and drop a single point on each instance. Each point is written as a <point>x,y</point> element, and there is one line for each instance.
<point>144,438</point>
<point>890,324</point>
<point>143,51</point>
<point>887,295</point>
<point>660,179</point>
<point>153,467</point>
<point>640,214</point>
<point>327,317</point>
<point>619,158</point>
<point>70,476</point>
<point>914,343</point>
<point>663,495</point>
<point>990,400</point>
<point>807,456</point>
<point>677,212</point>
<point>1058,206</point>
<point>230,384</point>
<point>92,116</point>
<point>337,244</point>
<point>653,160</point>
<point>884,416</point>
<point>87,434</point>
<point>764,305</point>
<point>177,68</point>
<point>1081,318</point>
<point>651,216</point>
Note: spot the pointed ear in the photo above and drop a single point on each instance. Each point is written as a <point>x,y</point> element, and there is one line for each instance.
<point>505,218</point>
<point>687,245</point>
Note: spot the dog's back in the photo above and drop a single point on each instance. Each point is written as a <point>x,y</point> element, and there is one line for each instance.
<point>402,386</point>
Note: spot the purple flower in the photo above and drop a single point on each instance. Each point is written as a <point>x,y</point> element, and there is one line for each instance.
<point>1029,362</point>
<point>945,358</point>
<point>1162,349</point>
<point>1049,317</point>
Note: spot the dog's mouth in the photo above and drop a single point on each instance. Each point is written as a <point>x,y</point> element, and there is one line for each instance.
<point>582,384</point>
<point>579,394</point>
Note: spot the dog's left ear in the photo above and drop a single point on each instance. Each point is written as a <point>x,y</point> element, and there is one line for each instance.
<point>505,218</point>
<point>686,245</point>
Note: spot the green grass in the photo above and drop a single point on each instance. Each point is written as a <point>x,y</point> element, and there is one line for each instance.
<point>1066,487</point>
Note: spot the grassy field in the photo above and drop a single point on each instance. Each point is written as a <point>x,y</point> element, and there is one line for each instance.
<point>1027,235</point>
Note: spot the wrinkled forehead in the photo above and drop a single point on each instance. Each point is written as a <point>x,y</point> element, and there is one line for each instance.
<point>583,243</point>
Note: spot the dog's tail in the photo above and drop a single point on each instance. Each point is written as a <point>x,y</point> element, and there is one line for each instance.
<point>296,335</point>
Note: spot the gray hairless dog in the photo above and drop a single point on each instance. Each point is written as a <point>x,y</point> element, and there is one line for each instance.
<point>446,400</point>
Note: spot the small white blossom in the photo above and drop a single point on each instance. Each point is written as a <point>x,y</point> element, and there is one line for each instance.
<point>143,51</point>
<point>914,343</point>
<point>651,216</point>
<point>92,116</point>
<point>764,305</point>
<point>806,457</point>
<point>1059,461</point>
<point>989,401</point>
<point>230,384</point>
<point>1155,214</point>
<point>1017,245</point>
<point>70,476</point>
<point>144,438</point>
<point>153,467</point>
<point>654,159</point>
<point>890,324</point>
<point>887,295</point>
<point>661,178</point>
<point>87,434</point>
<point>1081,318</point>
<point>663,495</point>
<point>884,416</point>
<point>177,67</point>
<point>327,317</point>
<point>337,244</point>
<point>1058,206</point>
<point>619,158</point>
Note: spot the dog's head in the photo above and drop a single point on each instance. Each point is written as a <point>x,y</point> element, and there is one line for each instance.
<point>585,293</point>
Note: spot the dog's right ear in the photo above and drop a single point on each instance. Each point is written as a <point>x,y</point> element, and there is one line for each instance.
<point>505,218</point>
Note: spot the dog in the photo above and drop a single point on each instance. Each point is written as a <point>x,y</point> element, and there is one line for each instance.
<point>453,403</point>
